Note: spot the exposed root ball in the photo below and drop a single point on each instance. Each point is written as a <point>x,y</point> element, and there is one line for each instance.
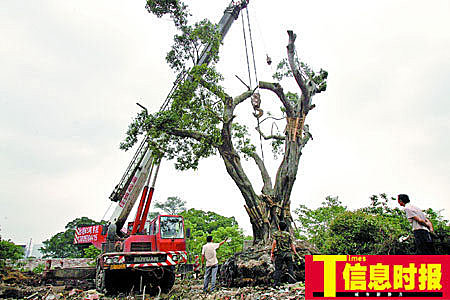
<point>254,266</point>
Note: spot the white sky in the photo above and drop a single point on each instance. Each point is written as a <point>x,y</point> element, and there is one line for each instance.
<point>72,71</point>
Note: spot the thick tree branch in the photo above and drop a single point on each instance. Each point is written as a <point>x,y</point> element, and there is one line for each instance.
<point>306,136</point>
<point>270,137</point>
<point>241,98</point>
<point>278,90</point>
<point>213,89</point>
<point>294,68</point>
<point>231,157</point>
<point>267,187</point>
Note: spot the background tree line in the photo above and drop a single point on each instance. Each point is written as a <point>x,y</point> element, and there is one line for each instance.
<point>9,250</point>
<point>331,229</point>
<point>375,229</point>
<point>200,223</point>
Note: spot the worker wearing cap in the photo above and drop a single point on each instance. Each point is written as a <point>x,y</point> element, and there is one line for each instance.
<point>281,253</point>
<point>420,224</point>
<point>209,254</point>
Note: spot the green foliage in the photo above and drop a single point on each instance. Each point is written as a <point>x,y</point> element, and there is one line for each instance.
<point>277,147</point>
<point>375,229</point>
<point>39,269</point>
<point>234,244</point>
<point>219,227</point>
<point>241,140</point>
<point>441,228</point>
<point>199,220</point>
<point>61,244</point>
<point>188,45</point>
<point>320,80</point>
<point>196,106</point>
<point>292,98</point>
<point>315,223</point>
<point>193,112</point>
<point>9,250</point>
<point>175,8</point>
<point>91,252</point>
<point>357,233</point>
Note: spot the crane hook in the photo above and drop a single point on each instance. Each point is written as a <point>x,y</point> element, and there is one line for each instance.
<point>268,59</point>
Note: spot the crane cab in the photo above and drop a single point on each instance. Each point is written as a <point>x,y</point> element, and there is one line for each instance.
<point>164,233</point>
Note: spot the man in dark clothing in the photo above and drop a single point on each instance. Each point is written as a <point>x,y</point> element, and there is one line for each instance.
<point>420,224</point>
<point>281,253</point>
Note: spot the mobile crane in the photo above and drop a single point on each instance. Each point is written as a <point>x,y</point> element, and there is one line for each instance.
<point>149,252</point>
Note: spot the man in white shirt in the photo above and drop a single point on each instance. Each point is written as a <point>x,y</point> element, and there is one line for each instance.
<point>209,254</point>
<point>420,224</point>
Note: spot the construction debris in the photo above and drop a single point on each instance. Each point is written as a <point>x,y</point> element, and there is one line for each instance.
<point>254,267</point>
<point>288,291</point>
<point>11,275</point>
<point>187,288</point>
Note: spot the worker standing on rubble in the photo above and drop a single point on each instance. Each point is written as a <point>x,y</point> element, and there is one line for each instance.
<point>209,254</point>
<point>281,253</point>
<point>420,224</point>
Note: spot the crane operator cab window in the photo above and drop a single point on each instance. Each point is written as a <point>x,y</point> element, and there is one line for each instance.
<point>171,227</point>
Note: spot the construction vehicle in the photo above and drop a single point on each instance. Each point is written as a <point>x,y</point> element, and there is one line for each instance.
<point>146,253</point>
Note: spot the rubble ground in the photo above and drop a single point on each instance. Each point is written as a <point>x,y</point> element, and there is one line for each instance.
<point>193,290</point>
<point>27,286</point>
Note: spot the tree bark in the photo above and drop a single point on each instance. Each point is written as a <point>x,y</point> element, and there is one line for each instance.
<point>270,207</point>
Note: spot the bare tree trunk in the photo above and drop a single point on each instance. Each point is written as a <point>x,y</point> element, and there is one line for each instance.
<point>273,205</point>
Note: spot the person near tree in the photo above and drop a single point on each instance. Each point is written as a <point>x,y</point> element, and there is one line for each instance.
<point>209,255</point>
<point>281,253</point>
<point>420,224</point>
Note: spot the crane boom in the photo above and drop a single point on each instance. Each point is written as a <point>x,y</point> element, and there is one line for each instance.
<point>132,181</point>
<point>230,14</point>
<point>123,208</point>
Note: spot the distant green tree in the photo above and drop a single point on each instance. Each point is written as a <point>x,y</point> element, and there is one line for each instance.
<point>172,206</point>
<point>375,229</point>
<point>234,244</point>
<point>203,223</point>
<point>61,244</point>
<point>356,232</point>
<point>9,250</point>
<point>314,223</point>
<point>207,221</point>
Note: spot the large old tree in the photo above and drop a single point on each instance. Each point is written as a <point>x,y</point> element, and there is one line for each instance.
<point>200,121</point>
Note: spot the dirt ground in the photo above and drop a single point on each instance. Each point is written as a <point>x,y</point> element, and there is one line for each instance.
<point>18,285</point>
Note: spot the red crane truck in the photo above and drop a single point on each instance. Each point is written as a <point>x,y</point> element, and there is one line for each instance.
<point>147,259</point>
<point>147,254</point>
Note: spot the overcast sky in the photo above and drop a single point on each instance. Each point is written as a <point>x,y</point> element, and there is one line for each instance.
<point>72,71</point>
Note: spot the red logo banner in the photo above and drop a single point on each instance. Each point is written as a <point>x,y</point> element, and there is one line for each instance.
<point>89,234</point>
